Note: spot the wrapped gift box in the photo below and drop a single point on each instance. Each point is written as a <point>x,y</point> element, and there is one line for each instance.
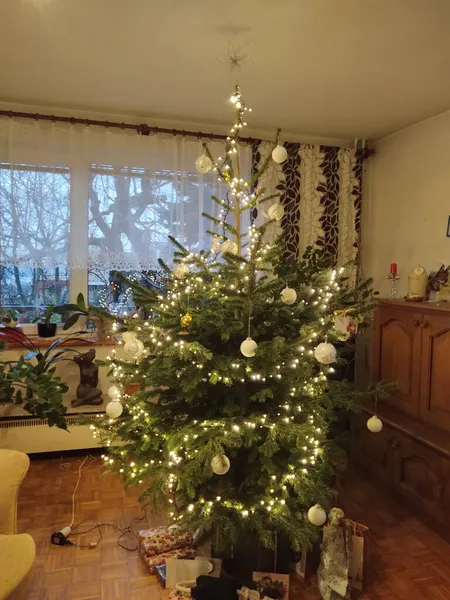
<point>160,559</point>
<point>162,539</point>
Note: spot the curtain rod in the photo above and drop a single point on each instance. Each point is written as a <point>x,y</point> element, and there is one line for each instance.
<point>142,129</point>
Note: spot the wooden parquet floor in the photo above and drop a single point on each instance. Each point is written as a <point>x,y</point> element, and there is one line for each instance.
<point>407,561</point>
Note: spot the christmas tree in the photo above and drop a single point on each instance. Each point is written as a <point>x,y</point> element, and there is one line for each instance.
<point>230,426</point>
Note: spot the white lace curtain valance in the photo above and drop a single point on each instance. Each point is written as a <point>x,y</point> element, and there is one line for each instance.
<point>88,197</point>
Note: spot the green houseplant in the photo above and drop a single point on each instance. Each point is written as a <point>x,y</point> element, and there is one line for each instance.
<point>30,381</point>
<point>46,328</point>
<point>78,310</point>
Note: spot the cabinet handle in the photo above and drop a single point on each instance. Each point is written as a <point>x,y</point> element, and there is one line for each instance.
<point>424,324</point>
<point>416,323</point>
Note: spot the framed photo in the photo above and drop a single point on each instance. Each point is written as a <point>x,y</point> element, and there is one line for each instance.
<point>272,585</point>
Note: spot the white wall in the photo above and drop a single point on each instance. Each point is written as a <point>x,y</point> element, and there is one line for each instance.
<point>407,202</point>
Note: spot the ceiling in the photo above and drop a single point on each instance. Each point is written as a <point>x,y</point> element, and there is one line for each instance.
<point>334,68</point>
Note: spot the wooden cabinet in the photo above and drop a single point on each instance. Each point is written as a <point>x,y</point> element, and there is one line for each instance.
<point>398,341</point>
<point>412,349</point>
<point>411,346</point>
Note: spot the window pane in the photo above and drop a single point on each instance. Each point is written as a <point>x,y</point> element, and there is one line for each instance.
<point>131,215</point>
<point>34,233</point>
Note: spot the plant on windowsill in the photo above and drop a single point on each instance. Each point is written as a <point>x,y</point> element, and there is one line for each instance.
<point>8,317</point>
<point>46,323</point>
<point>80,310</point>
<point>30,381</point>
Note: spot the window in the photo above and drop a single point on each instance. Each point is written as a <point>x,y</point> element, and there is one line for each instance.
<point>34,226</point>
<point>78,205</point>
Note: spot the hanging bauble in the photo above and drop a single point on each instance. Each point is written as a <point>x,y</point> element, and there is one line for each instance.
<point>186,320</point>
<point>374,424</point>
<point>230,247</point>
<point>180,270</point>
<point>114,392</point>
<point>114,409</point>
<point>316,515</point>
<point>325,353</point>
<point>276,212</point>
<point>279,154</point>
<point>248,347</point>
<point>203,164</point>
<point>220,464</point>
<point>134,348</point>
<point>288,295</point>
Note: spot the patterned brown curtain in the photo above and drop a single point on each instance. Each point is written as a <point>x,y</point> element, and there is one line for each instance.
<point>321,191</point>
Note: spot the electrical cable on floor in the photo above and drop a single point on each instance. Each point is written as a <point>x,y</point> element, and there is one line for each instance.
<point>60,538</point>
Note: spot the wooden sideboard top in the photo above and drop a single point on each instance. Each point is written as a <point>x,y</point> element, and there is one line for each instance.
<point>429,307</point>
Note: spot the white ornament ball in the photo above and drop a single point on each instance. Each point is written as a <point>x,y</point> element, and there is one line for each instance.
<point>220,465</point>
<point>180,270</point>
<point>374,424</point>
<point>325,353</point>
<point>203,164</point>
<point>229,246</point>
<point>127,336</point>
<point>279,154</point>
<point>114,392</point>
<point>288,295</point>
<point>316,515</point>
<point>248,347</point>
<point>276,211</point>
<point>114,409</point>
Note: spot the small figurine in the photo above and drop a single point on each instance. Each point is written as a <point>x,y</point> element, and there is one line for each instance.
<point>87,390</point>
<point>436,280</point>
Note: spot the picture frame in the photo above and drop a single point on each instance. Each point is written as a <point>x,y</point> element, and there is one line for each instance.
<point>272,585</point>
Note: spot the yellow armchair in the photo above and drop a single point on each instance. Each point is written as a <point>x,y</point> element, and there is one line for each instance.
<point>17,551</point>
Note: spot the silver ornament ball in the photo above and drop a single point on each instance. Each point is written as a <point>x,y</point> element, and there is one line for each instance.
<point>374,424</point>
<point>180,270</point>
<point>114,409</point>
<point>316,515</point>
<point>203,164</point>
<point>276,211</point>
<point>220,465</point>
<point>114,392</point>
<point>325,353</point>
<point>288,295</point>
<point>230,247</point>
<point>248,347</point>
<point>279,154</point>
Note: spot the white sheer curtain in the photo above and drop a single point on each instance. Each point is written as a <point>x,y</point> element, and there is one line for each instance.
<point>78,199</point>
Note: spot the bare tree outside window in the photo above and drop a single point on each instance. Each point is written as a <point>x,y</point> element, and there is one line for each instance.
<point>34,233</point>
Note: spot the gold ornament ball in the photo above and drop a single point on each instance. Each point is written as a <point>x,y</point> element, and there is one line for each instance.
<point>276,212</point>
<point>279,154</point>
<point>186,320</point>
<point>203,164</point>
<point>220,465</point>
<point>288,295</point>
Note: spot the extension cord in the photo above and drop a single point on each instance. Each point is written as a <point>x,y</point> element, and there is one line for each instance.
<point>59,538</point>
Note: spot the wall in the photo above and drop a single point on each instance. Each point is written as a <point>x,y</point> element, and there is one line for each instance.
<point>407,202</point>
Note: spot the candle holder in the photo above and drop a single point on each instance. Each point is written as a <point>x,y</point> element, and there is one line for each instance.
<point>393,279</point>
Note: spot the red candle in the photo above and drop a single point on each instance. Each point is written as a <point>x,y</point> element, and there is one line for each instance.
<point>394,269</point>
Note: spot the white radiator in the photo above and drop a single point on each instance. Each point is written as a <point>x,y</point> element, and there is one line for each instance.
<point>34,435</point>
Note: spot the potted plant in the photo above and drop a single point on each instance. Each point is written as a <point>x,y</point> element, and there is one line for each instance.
<point>8,317</point>
<point>30,381</point>
<point>79,310</point>
<point>47,328</point>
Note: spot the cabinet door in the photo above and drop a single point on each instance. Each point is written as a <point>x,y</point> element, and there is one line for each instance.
<point>397,346</point>
<point>435,371</point>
